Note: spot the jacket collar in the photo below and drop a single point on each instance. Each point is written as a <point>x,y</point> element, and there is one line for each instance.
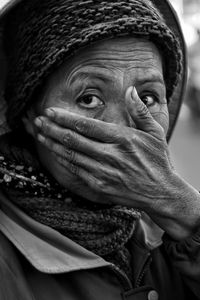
<point>51,252</point>
<point>45,248</point>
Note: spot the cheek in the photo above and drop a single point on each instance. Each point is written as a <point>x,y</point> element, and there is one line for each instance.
<point>60,174</point>
<point>66,103</point>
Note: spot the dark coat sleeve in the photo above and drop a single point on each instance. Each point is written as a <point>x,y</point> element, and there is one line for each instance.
<point>185,257</point>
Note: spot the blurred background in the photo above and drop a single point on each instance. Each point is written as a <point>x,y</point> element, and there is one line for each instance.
<point>185,142</point>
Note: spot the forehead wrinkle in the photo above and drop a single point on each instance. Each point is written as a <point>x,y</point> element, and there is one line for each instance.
<point>152,73</point>
<point>113,52</point>
<point>151,78</point>
<point>104,74</point>
<point>104,69</point>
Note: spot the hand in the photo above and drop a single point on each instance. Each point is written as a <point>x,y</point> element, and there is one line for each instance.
<point>128,166</point>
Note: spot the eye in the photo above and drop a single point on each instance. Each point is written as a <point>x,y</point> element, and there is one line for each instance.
<point>89,101</point>
<point>149,100</point>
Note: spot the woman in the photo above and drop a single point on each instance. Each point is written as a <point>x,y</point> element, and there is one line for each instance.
<point>92,90</point>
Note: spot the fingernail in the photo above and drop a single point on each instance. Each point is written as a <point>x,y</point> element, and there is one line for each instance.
<point>40,138</point>
<point>49,112</point>
<point>38,122</point>
<point>134,93</point>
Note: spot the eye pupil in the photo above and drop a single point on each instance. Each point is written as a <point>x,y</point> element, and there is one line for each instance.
<point>145,100</point>
<point>87,99</point>
<point>148,100</point>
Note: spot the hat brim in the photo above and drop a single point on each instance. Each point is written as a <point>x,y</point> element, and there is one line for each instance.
<point>6,5</point>
<point>177,98</point>
<point>172,21</point>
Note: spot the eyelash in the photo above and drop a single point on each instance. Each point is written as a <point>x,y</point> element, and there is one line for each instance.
<point>87,106</point>
<point>150,94</point>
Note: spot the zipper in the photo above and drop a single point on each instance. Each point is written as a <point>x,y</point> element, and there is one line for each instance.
<point>123,278</point>
<point>143,271</point>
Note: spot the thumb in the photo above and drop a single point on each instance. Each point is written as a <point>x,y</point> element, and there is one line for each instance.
<point>141,115</point>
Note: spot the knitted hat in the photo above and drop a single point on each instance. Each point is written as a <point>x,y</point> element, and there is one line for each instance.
<point>40,35</point>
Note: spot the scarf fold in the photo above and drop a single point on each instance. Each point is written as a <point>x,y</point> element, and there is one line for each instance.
<point>102,229</point>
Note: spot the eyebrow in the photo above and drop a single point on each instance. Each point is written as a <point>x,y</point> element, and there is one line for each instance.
<point>87,75</point>
<point>83,75</point>
<point>150,79</point>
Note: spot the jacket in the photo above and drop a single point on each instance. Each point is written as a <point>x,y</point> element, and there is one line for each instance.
<point>38,263</point>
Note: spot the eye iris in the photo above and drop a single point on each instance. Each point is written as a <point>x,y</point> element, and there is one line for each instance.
<point>148,100</point>
<point>90,101</point>
<point>87,99</point>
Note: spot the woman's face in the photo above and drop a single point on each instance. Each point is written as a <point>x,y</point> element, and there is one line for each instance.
<point>94,82</point>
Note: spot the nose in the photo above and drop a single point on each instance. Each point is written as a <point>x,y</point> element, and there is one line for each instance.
<point>117,113</point>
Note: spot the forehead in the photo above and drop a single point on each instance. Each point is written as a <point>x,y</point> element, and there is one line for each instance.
<point>106,59</point>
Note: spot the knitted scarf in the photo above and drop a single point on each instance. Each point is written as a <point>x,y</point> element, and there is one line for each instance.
<point>102,229</point>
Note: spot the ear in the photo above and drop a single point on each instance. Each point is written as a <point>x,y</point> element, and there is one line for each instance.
<point>28,122</point>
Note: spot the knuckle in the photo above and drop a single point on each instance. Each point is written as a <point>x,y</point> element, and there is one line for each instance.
<point>69,139</point>
<point>118,138</point>
<point>53,147</point>
<point>101,185</point>
<point>66,139</point>
<point>44,126</point>
<point>60,159</point>
<point>81,126</point>
<point>69,155</point>
<point>129,142</point>
<point>74,169</point>
<point>49,143</point>
<point>125,141</point>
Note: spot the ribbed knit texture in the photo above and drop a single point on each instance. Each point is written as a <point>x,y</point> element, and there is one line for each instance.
<point>40,35</point>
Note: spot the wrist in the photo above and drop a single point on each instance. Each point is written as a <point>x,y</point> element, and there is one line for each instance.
<point>177,211</point>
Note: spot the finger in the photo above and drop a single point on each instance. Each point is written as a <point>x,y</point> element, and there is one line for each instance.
<point>76,170</point>
<point>90,178</point>
<point>89,170</point>
<point>93,128</point>
<point>83,168</point>
<point>169,159</point>
<point>68,155</point>
<point>70,139</point>
<point>141,115</point>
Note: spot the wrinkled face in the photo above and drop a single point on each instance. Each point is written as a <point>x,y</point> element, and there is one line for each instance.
<point>93,83</point>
